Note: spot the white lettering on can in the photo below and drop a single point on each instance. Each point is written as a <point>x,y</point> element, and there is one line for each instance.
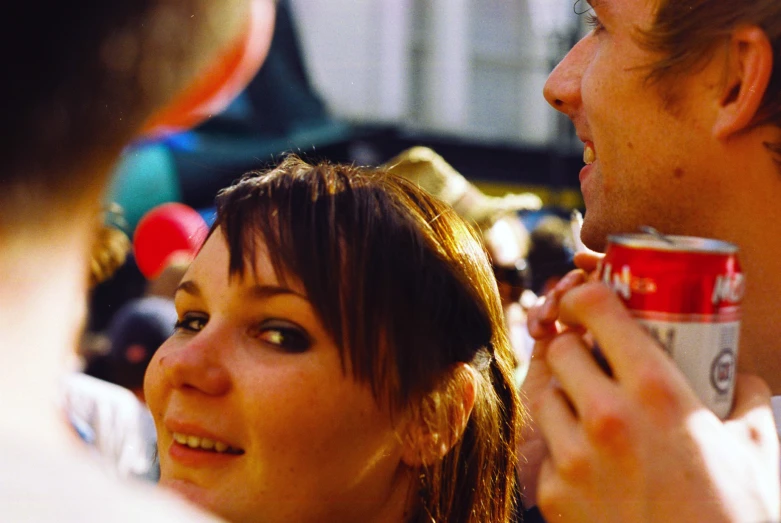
<point>728,287</point>
<point>621,283</point>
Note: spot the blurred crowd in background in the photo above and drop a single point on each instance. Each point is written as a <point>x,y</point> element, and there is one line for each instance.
<point>528,235</point>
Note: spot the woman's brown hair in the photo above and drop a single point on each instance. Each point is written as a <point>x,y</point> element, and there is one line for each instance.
<point>404,287</point>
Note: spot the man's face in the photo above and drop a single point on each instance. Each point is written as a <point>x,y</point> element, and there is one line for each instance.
<point>646,152</point>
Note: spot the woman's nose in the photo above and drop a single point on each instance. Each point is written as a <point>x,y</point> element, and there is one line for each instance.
<point>196,365</point>
<point>563,88</point>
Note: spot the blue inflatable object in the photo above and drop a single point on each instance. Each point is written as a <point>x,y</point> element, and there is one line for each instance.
<point>145,178</point>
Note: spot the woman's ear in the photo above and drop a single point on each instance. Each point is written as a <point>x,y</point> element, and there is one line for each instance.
<point>438,422</point>
<point>228,74</point>
<point>747,76</point>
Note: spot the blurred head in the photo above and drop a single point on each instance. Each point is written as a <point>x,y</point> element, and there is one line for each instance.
<point>551,253</point>
<point>660,94</point>
<point>507,241</point>
<point>135,332</point>
<point>84,77</point>
<point>341,336</point>
<point>167,281</point>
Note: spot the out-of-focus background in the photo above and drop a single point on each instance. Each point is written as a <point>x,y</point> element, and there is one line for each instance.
<point>361,81</point>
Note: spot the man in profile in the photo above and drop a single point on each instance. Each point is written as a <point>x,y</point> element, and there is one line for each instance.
<point>678,105</point>
<point>81,80</point>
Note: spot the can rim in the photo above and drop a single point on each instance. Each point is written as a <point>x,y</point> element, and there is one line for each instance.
<point>673,243</point>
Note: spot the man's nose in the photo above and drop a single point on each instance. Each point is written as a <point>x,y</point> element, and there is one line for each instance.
<point>563,88</point>
<point>198,365</point>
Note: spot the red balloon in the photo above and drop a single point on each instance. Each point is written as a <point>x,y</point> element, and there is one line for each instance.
<point>167,230</point>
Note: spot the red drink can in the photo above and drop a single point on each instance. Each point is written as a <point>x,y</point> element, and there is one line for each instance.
<point>687,292</point>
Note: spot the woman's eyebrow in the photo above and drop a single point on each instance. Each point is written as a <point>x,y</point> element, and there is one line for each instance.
<point>267,291</point>
<point>190,287</point>
<point>255,292</point>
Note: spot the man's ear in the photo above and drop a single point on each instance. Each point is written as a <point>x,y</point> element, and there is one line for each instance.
<point>747,76</point>
<point>228,74</point>
<point>438,422</point>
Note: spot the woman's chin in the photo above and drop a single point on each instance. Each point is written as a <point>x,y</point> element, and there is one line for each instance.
<point>190,492</point>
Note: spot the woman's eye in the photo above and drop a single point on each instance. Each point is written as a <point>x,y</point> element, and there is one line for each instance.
<point>191,323</point>
<point>287,336</point>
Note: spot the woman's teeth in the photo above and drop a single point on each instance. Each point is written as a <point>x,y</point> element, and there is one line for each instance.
<point>589,155</point>
<point>194,442</point>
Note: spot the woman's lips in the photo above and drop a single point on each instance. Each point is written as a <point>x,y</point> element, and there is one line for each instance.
<point>193,445</point>
<point>199,457</point>
<point>204,443</point>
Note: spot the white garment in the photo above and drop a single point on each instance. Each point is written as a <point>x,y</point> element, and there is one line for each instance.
<point>775,402</point>
<point>121,427</point>
<point>522,343</point>
<point>38,485</point>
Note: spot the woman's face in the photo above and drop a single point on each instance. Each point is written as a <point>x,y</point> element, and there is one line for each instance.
<point>255,418</point>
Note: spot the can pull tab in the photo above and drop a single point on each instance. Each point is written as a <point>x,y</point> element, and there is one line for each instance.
<point>647,229</point>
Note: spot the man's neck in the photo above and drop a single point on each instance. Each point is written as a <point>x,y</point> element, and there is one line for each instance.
<point>42,308</point>
<point>752,220</point>
<point>760,343</point>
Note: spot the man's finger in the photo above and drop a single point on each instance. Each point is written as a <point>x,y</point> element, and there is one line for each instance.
<point>531,455</point>
<point>559,425</point>
<point>624,343</point>
<point>751,392</point>
<point>542,317</point>
<point>587,260</point>
<point>539,325</point>
<point>571,362</point>
<point>752,410</point>
<point>538,377</point>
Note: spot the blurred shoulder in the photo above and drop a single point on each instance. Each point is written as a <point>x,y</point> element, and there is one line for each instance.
<point>41,486</point>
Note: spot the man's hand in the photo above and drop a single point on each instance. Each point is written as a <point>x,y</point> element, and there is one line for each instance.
<point>543,326</point>
<point>639,446</point>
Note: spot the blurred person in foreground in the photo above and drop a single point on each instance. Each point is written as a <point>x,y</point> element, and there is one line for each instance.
<point>135,332</point>
<point>84,79</point>
<point>678,104</point>
<point>340,356</point>
<point>111,412</point>
<point>104,403</point>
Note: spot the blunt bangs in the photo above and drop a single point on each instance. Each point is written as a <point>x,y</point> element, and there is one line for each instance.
<point>389,270</point>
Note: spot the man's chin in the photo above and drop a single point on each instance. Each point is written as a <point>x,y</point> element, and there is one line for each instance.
<point>593,237</point>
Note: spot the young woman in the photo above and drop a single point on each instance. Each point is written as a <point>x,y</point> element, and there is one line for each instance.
<point>340,356</point>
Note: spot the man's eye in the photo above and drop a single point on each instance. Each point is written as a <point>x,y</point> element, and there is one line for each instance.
<point>285,335</point>
<point>594,23</point>
<point>191,323</point>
